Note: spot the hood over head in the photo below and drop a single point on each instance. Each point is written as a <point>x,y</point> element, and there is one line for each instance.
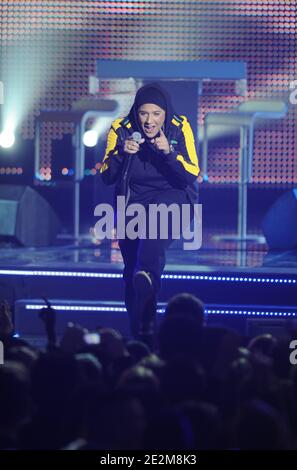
<point>151,93</point>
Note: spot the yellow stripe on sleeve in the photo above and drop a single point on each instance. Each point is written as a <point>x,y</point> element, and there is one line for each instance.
<point>117,123</point>
<point>111,144</point>
<point>192,167</point>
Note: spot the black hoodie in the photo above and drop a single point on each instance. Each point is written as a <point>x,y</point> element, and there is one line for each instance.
<point>150,171</point>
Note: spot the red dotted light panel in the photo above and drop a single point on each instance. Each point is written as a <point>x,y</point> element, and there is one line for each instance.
<point>63,39</point>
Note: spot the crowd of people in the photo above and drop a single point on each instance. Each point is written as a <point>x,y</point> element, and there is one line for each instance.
<point>194,387</point>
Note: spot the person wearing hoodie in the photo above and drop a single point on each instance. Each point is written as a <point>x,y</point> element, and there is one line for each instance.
<point>159,166</point>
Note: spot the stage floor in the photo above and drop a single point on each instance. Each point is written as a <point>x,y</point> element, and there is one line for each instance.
<point>223,256</point>
<point>248,288</point>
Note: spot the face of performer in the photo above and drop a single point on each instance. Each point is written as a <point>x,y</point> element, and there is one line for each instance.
<point>151,118</point>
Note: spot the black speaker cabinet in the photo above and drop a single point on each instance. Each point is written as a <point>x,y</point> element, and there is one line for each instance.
<point>26,217</point>
<point>280,222</point>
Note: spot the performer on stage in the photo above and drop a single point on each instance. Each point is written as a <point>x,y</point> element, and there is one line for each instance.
<point>151,157</point>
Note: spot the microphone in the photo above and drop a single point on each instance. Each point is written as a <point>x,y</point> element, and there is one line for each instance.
<point>136,137</point>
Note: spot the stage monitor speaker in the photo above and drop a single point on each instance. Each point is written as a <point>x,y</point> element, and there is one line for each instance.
<point>26,217</point>
<point>280,222</point>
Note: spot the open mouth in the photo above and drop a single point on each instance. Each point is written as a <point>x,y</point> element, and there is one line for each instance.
<point>150,129</point>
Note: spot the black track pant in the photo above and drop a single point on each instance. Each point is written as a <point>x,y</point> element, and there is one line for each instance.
<point>148,255</point>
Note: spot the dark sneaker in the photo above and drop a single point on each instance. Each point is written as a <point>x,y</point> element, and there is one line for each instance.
<point>145,301</point>
<point>143,284</point>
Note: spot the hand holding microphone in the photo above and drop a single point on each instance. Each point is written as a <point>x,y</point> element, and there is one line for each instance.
<point>132,145</point>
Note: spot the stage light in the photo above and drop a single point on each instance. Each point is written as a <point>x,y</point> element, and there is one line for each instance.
<point>7,139</point>
<point>90,138</point>
<point>184,277</point>
<point>276,312</point>
<point>27,69</point>
<point>100,126</point>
